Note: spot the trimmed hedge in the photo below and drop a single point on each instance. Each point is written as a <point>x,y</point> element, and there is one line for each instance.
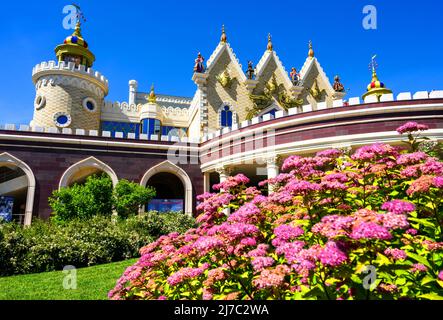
<point>47,246</point>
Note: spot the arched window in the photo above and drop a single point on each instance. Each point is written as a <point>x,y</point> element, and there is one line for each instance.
<point>226,117</point>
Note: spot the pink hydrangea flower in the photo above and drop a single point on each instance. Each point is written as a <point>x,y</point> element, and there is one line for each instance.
<point>412,231</point>
<point>412,127</point>
<point>421,185</point>
<point>375,151</point>
<point>332,255</point>
<point>330,153</point>
<point>398,206</point>
<point>396,254</point>
<point>412,158</point>
<point>418,267</point>
<point>261,263</point>
<point>432,167</point>
<point>370,230</point>
<point>438,182</point>
<point>287,232</point>
<point>440,275</point>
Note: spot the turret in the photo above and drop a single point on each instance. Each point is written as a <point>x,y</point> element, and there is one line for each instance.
<point>69,93</point>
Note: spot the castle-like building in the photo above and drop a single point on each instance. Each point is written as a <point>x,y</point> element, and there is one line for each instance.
<point>239,120</point>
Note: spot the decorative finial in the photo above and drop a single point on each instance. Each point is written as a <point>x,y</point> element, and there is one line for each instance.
<point>78,30</point>
<point>311,50</point>
<point>79,16</point>
<point>270,47</point>
<point>152,98</point>
<point>223,38</point>
<point>373,66</point>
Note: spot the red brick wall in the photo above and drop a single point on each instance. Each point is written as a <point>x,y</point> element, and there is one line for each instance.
<point>48,166</point>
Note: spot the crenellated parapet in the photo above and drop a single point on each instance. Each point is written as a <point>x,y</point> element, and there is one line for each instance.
<point>54,73</point>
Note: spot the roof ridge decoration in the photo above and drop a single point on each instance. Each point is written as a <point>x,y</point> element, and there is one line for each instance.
<point>311,60</point>
<point>261,65</point>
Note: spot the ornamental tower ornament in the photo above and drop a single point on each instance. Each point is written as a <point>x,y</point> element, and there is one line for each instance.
<point>376,87</point>
<point>311,50</point>
<point>75,48</point>
<point>223,38</point>
<point>270,47</point>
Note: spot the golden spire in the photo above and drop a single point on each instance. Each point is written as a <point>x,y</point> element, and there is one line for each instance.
<point>223,37</point>
<point>152,98</point>
<point>270,48</point>
<point>78,30</point>
<point>311,50</point>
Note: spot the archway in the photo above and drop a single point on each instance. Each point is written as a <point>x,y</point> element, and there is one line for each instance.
<point>172,181</point>
<point>78,172</point>
<point>17,189</point>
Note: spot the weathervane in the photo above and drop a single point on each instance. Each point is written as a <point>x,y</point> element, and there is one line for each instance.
<point>373,65</point>
<point>79,14</point>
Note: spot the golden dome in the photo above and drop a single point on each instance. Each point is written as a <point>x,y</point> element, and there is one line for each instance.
<point>376,87</point>
<point>75,49</point>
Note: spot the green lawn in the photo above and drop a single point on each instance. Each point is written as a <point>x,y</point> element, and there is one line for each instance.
<point>93,283</point>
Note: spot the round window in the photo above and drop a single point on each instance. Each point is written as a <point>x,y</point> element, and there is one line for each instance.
<point>90,104</point>
<point>62,119</point>
<point>39,102</point>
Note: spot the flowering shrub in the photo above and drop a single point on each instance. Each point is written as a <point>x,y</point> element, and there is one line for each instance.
<point>329,218</point>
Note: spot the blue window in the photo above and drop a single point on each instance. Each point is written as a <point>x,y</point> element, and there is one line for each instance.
<point>62,119</point>
<point>226,117</point>
<point>151,126</point>
<point>90,105</point>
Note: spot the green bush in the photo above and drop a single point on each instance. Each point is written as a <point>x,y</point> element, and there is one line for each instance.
<point>83,201</point>
<point>97,197</point>
<point>48,246</point>
<point>129,196</point>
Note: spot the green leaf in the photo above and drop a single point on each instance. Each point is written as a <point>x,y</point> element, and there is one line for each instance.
<point>420,259</point>
<point>427,280</point>
<point>431,296</point>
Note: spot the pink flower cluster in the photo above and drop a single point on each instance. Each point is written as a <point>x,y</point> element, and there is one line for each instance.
<point>396,254</point>
<point>260,263</point>
<point>375,152</point>
<point>332,254</point>
<point>287,232</point>
<point>398,206</point>
<point>330,153</point>
<point>412,127</point>
<point>232,182</point>
<point>186,274</point>
<point>440,276</point>
<point>370,230</point>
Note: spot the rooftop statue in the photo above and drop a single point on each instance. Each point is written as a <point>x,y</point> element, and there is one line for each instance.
<point>295,77</point>
<point>338,86</point>
<point>250,72</point>
<point>199,66</point>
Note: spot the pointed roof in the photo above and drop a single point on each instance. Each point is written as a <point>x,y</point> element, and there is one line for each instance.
<point>310,63</point>
<point>266,58</point>
<point>222,47</point>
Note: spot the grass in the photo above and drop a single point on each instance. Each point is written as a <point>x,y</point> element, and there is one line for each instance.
<point>93,283</point>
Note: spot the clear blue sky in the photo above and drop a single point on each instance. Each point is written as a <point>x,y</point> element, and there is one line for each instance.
<point>157,41</point>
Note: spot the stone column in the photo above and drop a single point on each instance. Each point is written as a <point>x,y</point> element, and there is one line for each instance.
<point>133,85</point>
<point>224,172</point>
<point>206,182</point>
<point>273,169</point>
